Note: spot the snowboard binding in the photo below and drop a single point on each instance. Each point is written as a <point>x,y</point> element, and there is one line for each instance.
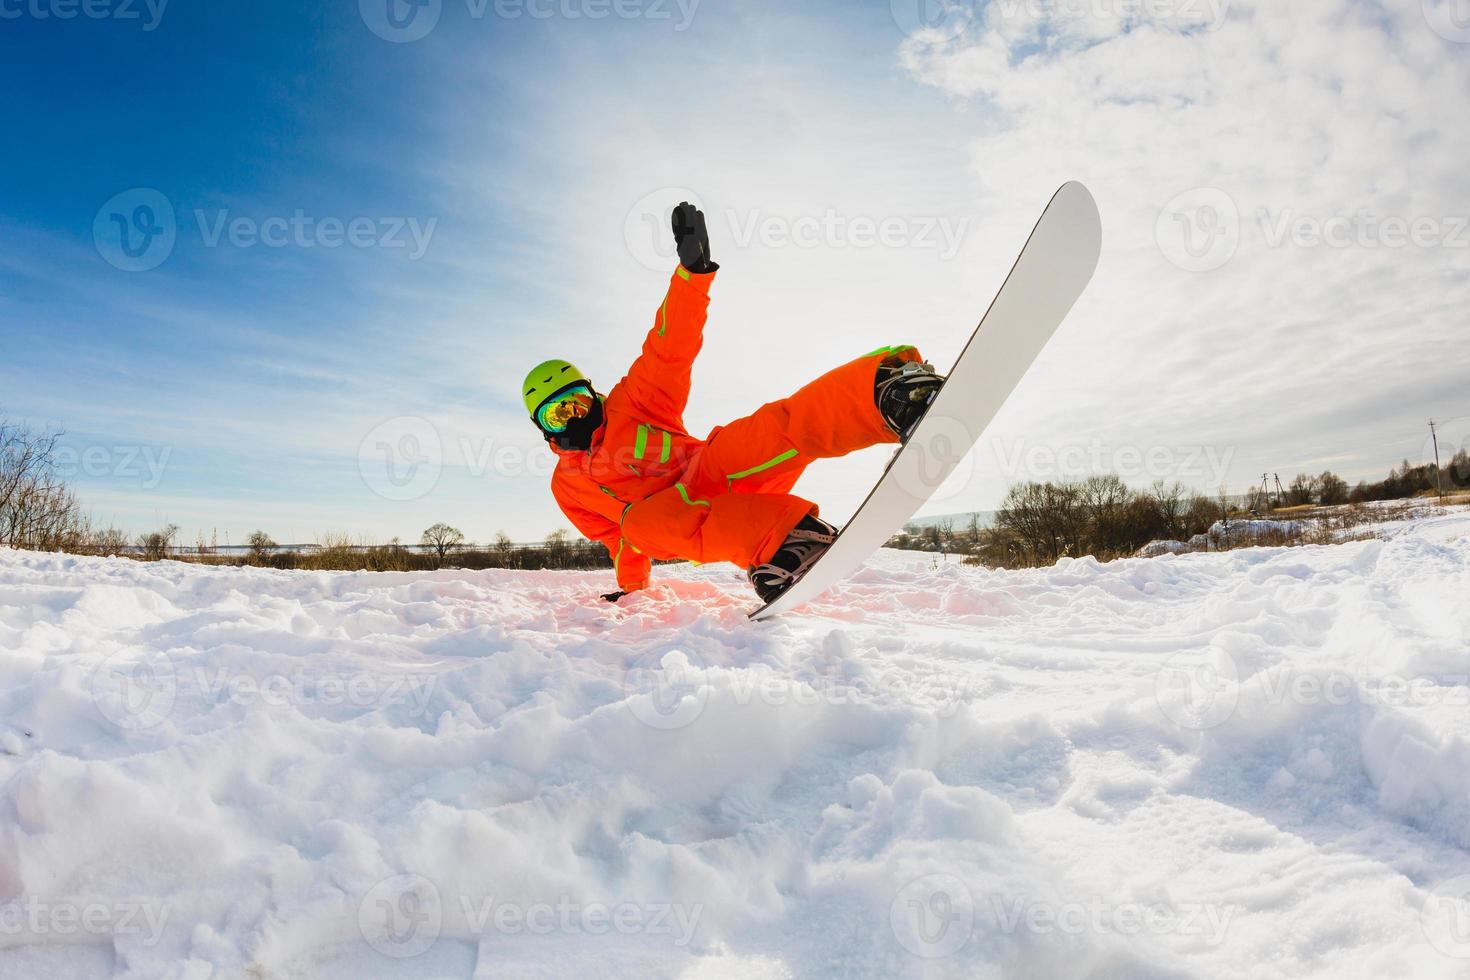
<point>904,390</point>
<point>807,542</point>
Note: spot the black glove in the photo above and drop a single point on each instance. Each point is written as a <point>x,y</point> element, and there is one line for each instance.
<point>692,239</point>
<point>613,597</point>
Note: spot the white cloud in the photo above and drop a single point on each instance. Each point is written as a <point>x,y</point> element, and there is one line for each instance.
<point>1308,116</point>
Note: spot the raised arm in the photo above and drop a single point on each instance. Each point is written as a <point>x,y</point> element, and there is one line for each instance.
<point>658,382</point>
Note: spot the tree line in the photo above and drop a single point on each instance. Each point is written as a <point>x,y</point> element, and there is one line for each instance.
<point>1037,523</point>
<point>441,546</point>
<point>1040,522</point>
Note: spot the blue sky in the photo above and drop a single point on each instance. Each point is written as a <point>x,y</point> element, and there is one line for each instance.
<point>498,170</point>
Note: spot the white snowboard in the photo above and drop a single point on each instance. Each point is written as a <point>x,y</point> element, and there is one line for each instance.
<point>1054,268</point>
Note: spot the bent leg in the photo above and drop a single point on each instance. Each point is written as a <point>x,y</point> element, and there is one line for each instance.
<point>831,416</point>
<point>746,529</point>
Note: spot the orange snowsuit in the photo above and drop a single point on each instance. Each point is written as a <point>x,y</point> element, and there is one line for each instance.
<point>648,489</point>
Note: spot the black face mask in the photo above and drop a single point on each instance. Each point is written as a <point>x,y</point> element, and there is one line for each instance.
<point>577,437</point>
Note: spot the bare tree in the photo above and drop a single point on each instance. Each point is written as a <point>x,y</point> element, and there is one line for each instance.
<point>504,549</point>
<point>1042,521</point>
<point>1172,504</point>
<point>260,545</point>
<point>940,535</point>
<point>1331,489</point>
<point>37,510</point>
<point>443,539</point>
<point>974,533</point>
<point>1106,499</point>
<point>155,545</point>
<point>1460,469</point>
<point>107,541</point>
<point>558,548</point>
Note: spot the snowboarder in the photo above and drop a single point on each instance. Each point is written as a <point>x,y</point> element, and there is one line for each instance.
<point>630,475</point>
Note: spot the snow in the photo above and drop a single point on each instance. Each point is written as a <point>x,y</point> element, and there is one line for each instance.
<point>1253,763</point>
<point>1249,530</point>
<point>1159,547</point>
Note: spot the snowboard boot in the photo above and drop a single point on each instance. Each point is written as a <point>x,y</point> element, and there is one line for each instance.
<point>903,391</point>
<point>803,546</point>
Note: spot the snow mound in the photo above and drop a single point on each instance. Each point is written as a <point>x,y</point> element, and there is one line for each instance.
<point>1158,548</point>
<point>1242,764</point>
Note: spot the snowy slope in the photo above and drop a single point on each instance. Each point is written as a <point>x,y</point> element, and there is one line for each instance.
<point>1252,764</point>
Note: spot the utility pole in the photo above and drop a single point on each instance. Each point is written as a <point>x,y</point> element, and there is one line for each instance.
<point>1265,493</point>
<point>1438,486</point>
<point>1280,493</point>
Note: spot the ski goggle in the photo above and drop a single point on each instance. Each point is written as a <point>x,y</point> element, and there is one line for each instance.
<point>559,411</point>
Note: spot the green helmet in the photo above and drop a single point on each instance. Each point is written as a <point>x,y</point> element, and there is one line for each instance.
<point>547,377</point>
